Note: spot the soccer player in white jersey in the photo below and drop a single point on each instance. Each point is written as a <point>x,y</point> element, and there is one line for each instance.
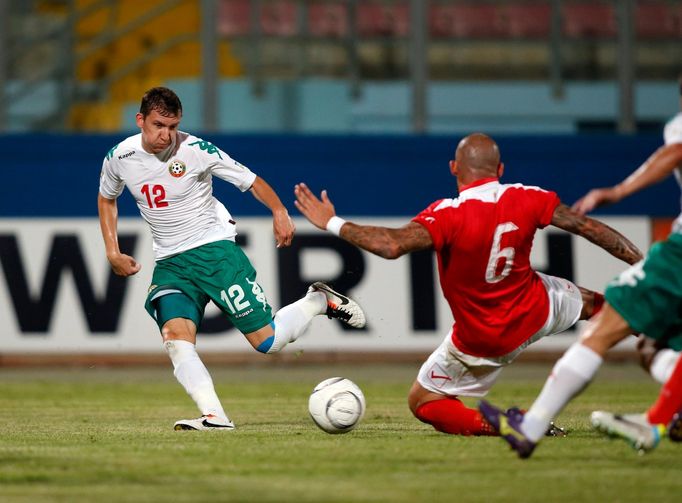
<point>169,174</point>
<point>647,299</point>
<point>482,240</point>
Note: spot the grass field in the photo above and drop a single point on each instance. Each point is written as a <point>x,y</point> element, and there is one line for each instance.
<point>98,435</point>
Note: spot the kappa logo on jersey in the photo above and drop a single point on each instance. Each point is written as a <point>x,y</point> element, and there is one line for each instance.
<point>207,146</point>
<point>110,154</point>
<point>177,168</point>
<point>258,292</point>
<point>127,154</point>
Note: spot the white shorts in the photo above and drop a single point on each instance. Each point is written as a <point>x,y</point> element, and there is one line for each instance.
<point>449,371</point>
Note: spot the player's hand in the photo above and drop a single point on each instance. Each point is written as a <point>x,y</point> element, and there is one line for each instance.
<point>283,228</point>
<point>318,211</point>
<point>124,265</point>
<point>596,198</point>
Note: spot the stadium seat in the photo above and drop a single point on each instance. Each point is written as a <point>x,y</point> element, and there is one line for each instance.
<point>464,20</point>
<point>589,20</point>
<point>379,19</point>
<point>525,20</point>
<point>329,19</point>
<point>279,18</point>
<point>657,20</point>
<point>233,18</point>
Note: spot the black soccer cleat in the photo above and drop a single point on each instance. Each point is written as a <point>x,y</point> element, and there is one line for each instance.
<point>339,306</point>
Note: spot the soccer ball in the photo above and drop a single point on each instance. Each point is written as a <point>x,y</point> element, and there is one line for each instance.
<point>336,405</point>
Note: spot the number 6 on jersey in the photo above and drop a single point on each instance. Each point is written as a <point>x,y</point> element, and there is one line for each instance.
<point>506,254</point>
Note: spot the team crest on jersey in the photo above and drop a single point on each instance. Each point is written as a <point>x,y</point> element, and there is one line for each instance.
<point>177,168</point>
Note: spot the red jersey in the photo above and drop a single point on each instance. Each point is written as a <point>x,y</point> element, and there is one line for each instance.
<point>483,240</point>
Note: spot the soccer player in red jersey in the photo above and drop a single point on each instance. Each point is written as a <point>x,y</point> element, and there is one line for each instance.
<point>645,298</point>
<point>483,240</point>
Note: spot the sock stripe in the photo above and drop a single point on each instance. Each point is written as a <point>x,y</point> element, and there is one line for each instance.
<point>265,346</point>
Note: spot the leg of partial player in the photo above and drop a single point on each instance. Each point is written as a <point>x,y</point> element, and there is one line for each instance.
<point>669,399</point>
<point>291,321</point>
<point>663,364</point>
<point>644,431</point>
<point>575,370</point>
<point>570,375</point>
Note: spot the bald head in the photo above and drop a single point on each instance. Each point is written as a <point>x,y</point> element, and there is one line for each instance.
<point>477,156</point>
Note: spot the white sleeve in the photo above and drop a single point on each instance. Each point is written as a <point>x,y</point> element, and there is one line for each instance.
<point>110,183</point>
<point>226,168</point>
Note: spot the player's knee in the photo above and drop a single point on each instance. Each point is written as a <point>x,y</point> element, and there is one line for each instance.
<point>416,397</point>
<point>265,340</point>
<point>172,334</point>
<point>265,346</point>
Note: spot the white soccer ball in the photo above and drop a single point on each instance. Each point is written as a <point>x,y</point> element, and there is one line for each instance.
<point>336,405</point>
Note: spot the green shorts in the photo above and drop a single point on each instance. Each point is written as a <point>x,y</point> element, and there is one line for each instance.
<point>648,295</point>
<point>218,272</point>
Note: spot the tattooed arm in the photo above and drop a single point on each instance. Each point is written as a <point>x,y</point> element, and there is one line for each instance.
<point>385,242</point>
<point>597,232</point>
<point>382,241</point>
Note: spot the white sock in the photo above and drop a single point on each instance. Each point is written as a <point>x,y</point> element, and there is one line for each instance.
<point>663,365</point>
<point>292,320</point>
<point>569,377</point>
<point>194,377</point>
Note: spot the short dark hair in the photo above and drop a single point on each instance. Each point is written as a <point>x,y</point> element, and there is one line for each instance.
<point>161,99</point>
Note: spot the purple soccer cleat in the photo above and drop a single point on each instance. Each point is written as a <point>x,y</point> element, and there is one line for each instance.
<point>675,428</point>
<point>552,430</point>
<point>509,427</point>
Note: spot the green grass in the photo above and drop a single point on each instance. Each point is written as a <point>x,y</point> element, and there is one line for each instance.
<point>97,435</point>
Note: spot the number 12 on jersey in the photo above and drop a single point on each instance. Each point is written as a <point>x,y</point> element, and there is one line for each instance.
<point>155,195</point>
<point>234,299</point>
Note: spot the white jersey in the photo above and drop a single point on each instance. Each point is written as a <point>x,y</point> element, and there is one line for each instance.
<point>173,190</point>
<point>673,134</point>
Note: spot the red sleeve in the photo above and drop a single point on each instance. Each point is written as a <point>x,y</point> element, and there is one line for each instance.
<point>438,221</point>
<point>545,202</point>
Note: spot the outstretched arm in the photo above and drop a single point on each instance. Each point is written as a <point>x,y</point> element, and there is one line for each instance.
<point>382,241</point>
<point>282,226</point>
<point>597,232</point>
<point>655,169</point>
<point>122,264</point>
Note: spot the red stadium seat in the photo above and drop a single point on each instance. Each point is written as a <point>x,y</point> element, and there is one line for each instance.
<point>657,20</point>
<point>279,18</point>
<point>233,17</point>
<point>464,20</point>
<point>276,17</point>
<point>525,20</point>
<point>589,19</point>
<point>328,19</point>
<point>379,19</point>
